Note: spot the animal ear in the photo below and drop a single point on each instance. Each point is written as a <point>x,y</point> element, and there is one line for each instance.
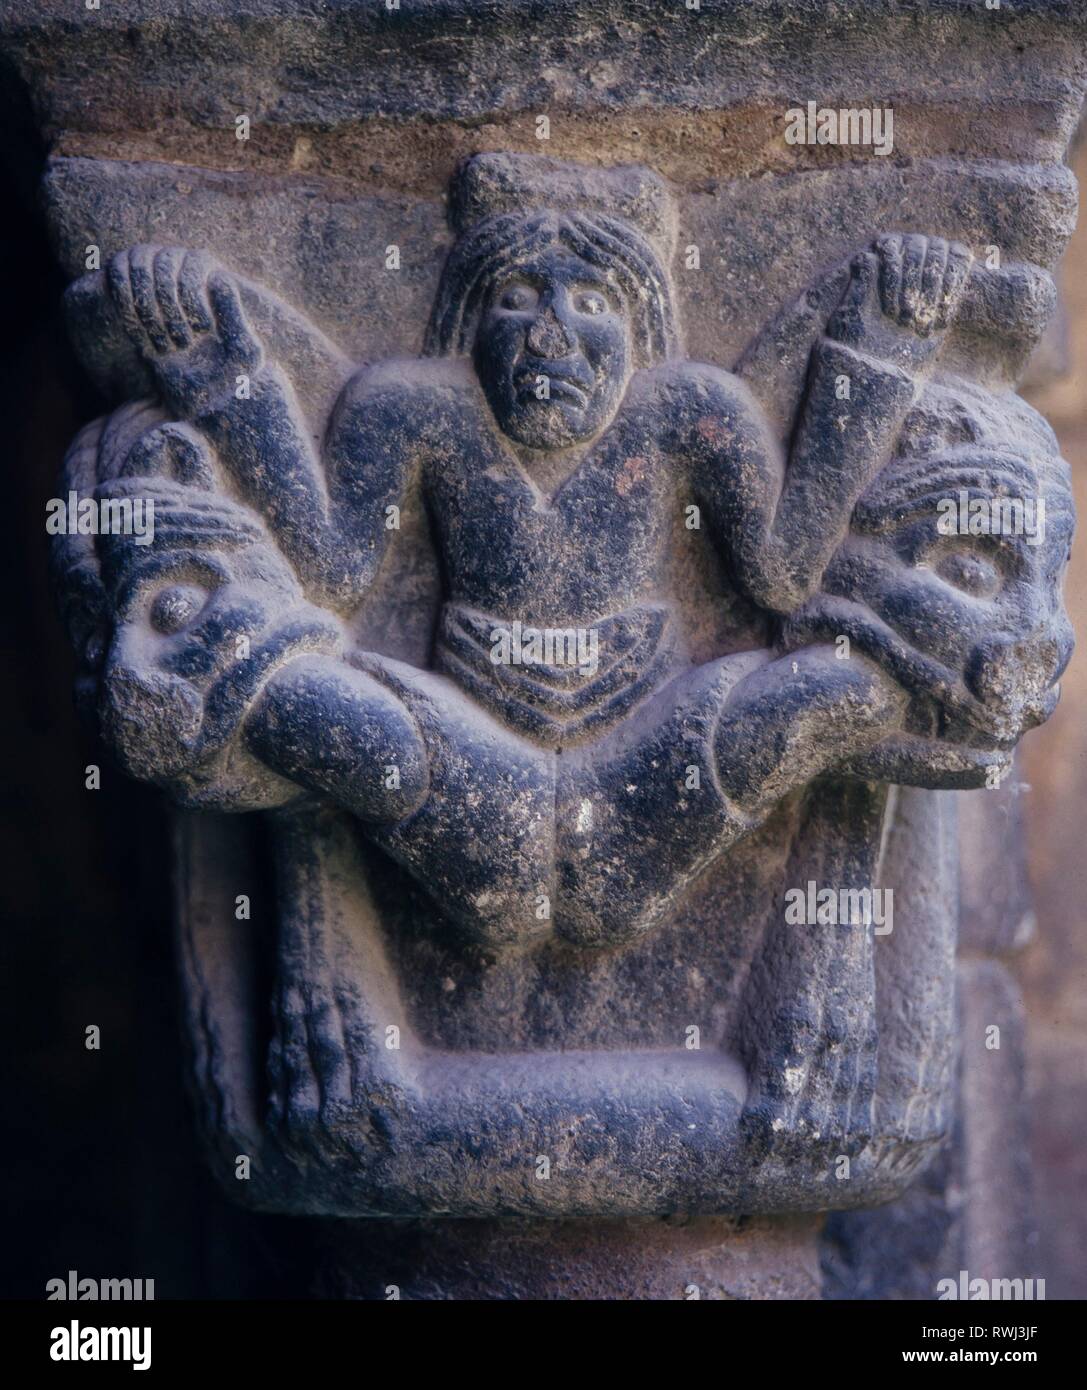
<point>171,450</point>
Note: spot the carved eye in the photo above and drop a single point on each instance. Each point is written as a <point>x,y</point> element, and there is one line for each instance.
<point>519,298</point>
<point>589,302</point>
<point>970,572</point>
<point>176,607</point>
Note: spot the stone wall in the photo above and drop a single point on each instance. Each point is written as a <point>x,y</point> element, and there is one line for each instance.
<point>1052,969</point>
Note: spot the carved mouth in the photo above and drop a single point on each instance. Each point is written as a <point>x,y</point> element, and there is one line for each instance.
<point>986,736</point>
<point>946,720</point>
<point>561,384</point>
<point>943,707</point>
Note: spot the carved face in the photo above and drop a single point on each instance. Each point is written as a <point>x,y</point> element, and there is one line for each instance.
<point>553,350</point>
<point>972,624</point>
<point>182,607</point>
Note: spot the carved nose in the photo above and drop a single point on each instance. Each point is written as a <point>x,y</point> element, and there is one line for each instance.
<point>549,337</point>
<point>1008,676</point>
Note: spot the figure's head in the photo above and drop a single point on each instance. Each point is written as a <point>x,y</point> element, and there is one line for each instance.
<point>556,310</point>
<point>171,632</point>
<point>951,578</point>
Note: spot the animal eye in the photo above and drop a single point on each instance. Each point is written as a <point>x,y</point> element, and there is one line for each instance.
<point>518,298</point>
<point>589,302</point>
<point>175,607</point>
<point>971,573</point>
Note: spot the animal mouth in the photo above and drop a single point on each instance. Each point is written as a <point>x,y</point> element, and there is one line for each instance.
<point>943,707</point>
<point>950,719</point>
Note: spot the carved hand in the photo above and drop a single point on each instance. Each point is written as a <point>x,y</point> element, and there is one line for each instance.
<point>182,311</point>
<point>902,296</point>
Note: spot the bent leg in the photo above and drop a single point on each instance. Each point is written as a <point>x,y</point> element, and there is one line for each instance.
<point>483,845</point>
<point>705,763</point>
<point>797,718</point>
<point>337,731</point>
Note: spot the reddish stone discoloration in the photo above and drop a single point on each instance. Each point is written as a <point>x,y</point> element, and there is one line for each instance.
<point>714,431</point>
<point>632,472</point>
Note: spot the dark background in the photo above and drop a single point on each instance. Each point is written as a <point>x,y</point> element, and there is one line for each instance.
<point>101,1169</point>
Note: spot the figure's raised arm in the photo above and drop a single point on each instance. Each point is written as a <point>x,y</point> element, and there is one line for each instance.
<point>782,521</point>
<point>193,326</point>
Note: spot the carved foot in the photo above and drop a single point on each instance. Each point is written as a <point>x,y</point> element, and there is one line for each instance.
<point>308,1063</point>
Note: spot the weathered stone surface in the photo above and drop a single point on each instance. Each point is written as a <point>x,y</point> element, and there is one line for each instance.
<point>675,1259</point>
<point>336,63</point>
<point>524,919</point>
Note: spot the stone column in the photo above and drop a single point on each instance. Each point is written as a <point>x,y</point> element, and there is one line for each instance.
<point>562,531</point>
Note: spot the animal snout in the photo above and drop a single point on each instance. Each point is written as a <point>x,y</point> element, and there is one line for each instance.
<point>1015,678</point>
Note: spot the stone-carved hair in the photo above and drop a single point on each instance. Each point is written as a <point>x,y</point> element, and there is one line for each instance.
<point>497,244</point>
<point>137,452</point>
<point>914,491</point>
<point>953,441</point>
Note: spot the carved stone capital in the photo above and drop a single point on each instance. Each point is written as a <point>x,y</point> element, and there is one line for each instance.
<point>589,547</point>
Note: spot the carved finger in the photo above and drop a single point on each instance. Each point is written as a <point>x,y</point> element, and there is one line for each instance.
<point>840,1088</point>
<point>845,1067</point>
<point>846,323</point>
<point>167,269</point>
<point>356,1036</point>
<point>119,281</point>
<point>959,262</point>
<point>192,291</point>
<point>226,303</point>
<point>890,272</point>
<point>932,282</point>
<point>141,269</point>
<point>913,262</point>
<point>327,1050</point>
<point>298,1091</point>
<point>865,269</point>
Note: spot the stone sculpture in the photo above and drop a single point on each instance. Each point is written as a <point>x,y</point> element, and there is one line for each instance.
<point>540,652</point>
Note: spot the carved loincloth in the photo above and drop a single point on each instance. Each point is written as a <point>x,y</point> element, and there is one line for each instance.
<point>562,682</point>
